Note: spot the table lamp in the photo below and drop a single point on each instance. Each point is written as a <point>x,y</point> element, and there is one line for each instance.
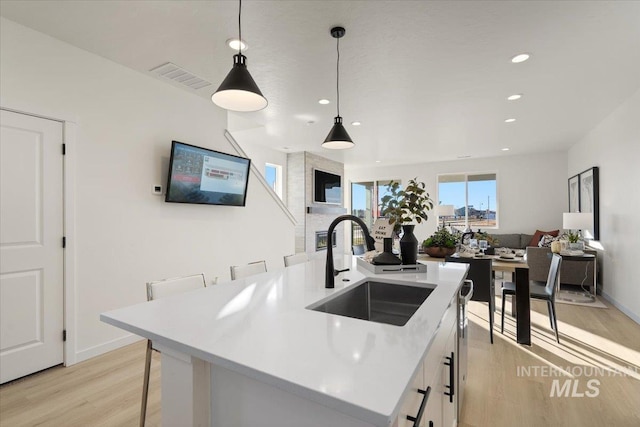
<point>445,210</point>
<point>577,221</point>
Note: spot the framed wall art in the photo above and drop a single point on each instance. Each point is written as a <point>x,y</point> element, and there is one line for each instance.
<point>574,193</point>
<point>589,198</point>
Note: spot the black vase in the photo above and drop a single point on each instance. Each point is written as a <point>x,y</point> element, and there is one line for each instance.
<point>408,245</point>
<point>387,257</point>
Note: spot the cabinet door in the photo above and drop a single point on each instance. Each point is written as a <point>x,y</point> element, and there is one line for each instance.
<point>433,412</point>
<point>435,369</point>
<point>411,404</point>
<point>450,382</point>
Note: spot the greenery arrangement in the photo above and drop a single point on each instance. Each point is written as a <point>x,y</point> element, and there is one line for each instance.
<point>572,236</point>
<point>441,238</point>
<point>403,206</point>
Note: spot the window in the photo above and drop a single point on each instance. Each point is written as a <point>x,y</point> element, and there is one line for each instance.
<point>365,204</point>
<point>273,175</point>
<point>474,197</point>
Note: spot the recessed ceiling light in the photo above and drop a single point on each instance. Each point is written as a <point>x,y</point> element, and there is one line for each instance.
<point>236,44</point>
<point>378,161</point>
<point>323,101</point>
<point>356,123</point>
<point>505,149</point>
<point>285,148</point>
<point>521,57</point>
<point>310,122</point>
<point>510,120</point>
<point>514,97</point>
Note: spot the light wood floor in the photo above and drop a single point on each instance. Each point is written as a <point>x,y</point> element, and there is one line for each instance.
<point>497,394</point>
<point>105,391</point>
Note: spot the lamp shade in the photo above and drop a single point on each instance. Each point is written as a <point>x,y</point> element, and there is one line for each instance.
<point>238,91</point>
<point>445,210</point>
<point>577,220</point>
<point>338,138</point>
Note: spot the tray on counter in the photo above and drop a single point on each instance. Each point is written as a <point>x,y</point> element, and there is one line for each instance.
<point>388,269</point>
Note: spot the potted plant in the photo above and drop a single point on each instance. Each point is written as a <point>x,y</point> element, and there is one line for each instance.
<point>441,244</point>
<point>403,207</point>
<point>574,240</point>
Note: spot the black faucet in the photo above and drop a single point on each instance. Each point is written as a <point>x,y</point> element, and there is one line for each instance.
<point>331,272</point>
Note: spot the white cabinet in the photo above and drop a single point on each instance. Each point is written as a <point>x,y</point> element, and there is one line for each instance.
<point>450,382</point>
<point>434,381</point>
<point>411,405</point>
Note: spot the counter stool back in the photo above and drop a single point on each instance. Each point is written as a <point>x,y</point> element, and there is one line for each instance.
<point>242,271</point>
<point>294,259</point>
<point>156,290</point>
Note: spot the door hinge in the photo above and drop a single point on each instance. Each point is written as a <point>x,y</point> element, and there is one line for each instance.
<point>64,149</point>
<point>64,242</point>
<point>64,335</point>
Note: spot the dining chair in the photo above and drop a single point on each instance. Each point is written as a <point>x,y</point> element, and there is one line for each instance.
<point>539,290</point>
<point>242,271</point>
<point>480,272</point>
<point>156,290</point>
<point>294,259</point>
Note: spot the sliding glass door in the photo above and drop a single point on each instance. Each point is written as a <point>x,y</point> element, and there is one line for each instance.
<point>362,206</point>
<point>365,204</point>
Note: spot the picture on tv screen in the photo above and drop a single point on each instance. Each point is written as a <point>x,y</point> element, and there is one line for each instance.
<point>327,187</point>
<point>202,176</point>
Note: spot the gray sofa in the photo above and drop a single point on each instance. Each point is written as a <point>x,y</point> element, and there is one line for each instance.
<point>513,241</point>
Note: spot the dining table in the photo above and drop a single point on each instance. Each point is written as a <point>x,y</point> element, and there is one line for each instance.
<point>519,269</point>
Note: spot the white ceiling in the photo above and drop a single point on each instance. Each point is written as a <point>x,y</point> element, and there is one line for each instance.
<point>428,80</point>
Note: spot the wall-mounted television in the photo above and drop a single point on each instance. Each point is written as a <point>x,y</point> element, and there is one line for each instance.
<point>202,176</point>
<point>327,187</point>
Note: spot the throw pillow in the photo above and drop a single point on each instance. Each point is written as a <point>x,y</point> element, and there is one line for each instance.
<point>538,235</point>
<point>546,240</point>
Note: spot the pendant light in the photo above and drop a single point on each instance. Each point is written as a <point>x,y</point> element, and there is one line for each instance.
<point>338,138</point>
<point>238,91</point>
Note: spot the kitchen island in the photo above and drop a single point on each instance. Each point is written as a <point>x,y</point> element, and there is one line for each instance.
<point>250,352</point>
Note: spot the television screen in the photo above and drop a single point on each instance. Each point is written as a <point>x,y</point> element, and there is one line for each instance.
<point>327,187</point>
<point>203,176</point>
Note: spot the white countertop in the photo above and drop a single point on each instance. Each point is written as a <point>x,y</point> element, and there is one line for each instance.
<point>260,327</point>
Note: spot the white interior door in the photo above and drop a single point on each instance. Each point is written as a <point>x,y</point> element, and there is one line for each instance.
<point>31,254</point>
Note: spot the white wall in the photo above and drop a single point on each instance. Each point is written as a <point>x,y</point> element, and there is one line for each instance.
<point>614,146</point>
<point>532,189</point>
<point>125,236</point>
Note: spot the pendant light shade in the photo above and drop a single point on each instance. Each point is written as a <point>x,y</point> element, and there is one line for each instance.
<point>238,91</point>
<point>338,138</point>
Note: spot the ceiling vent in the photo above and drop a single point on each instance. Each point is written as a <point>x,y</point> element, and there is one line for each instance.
<point>173,72</point>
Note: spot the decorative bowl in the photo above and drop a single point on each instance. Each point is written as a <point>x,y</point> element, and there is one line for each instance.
<point>439,251</point>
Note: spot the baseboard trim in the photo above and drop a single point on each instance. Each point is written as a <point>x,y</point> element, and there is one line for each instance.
<point>98,350</point>
<point>621,307</point>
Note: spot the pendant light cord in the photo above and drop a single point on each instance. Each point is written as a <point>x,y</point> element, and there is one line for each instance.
<point>338,75</point>
<point>240,29</point>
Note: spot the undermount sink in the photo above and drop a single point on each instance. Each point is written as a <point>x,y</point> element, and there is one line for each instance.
<point>376,302</point>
